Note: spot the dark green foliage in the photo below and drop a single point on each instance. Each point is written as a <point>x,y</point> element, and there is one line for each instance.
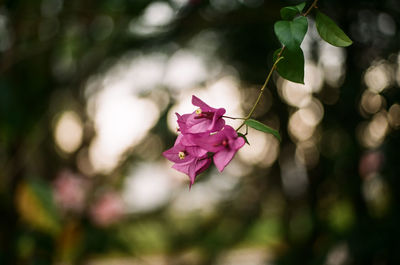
<point>289,12</point>
<point>291,67</point>
<point>291,33</point>
<point>330,32</point>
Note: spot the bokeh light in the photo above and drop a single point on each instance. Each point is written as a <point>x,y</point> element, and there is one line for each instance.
<point>379,76</point>
<point>68,131</point>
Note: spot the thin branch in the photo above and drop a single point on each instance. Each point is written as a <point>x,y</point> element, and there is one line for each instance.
<point>262,90</point>
<point>313,5</point>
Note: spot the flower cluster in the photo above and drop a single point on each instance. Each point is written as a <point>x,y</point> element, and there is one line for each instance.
<point>204,138</point>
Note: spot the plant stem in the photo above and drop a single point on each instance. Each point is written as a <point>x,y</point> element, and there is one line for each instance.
<point>262,89</point>
<point>313,5</point>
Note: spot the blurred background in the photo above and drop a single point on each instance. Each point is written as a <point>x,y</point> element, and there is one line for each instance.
<point>88,92</point>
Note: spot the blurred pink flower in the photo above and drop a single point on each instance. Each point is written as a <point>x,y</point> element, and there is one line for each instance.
<point>69,191</point>
<point>107,209</point>
<point>370,162</point>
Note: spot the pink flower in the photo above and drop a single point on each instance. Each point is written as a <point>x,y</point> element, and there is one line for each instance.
<point>204,119</point>
<point>188,159</point>
<point>69,191</point>
<point>107,210</point>
<point>204,135</point>
<point>223,144</point>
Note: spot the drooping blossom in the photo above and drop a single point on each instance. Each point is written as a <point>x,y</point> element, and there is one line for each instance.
<point>205,119</point>
<point>204,137</point>
<point>107,209</point>
<point>224,144</point>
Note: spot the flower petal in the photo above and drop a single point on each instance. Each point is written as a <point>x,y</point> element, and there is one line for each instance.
<point>182,122</point>
<point>196,151</point>
<point>211,143</point>
<point>200,126</point>
<point>172,154</point>
<point>192,171</point>
<point>217,124</point>
<point>230,132</point>
<point>184,168</point>
<point>199,103</point>
<point>237,143</point>
<point>202,165</point>
<point>222,158</point>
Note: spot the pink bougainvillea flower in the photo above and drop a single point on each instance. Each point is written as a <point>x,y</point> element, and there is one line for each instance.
<point>224,144</point>
<point>191,160</point>
<point>204,119</point>
<point>203,135</point>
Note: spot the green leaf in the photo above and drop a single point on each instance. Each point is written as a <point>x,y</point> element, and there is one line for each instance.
<point>330,32</point>
<point>262,127</point>
<point>36,206</point>
<point>244,137</point>
<point>289,12</point>
<point>45,194</point>
<point>291,67</point>
<point>291,33</point>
